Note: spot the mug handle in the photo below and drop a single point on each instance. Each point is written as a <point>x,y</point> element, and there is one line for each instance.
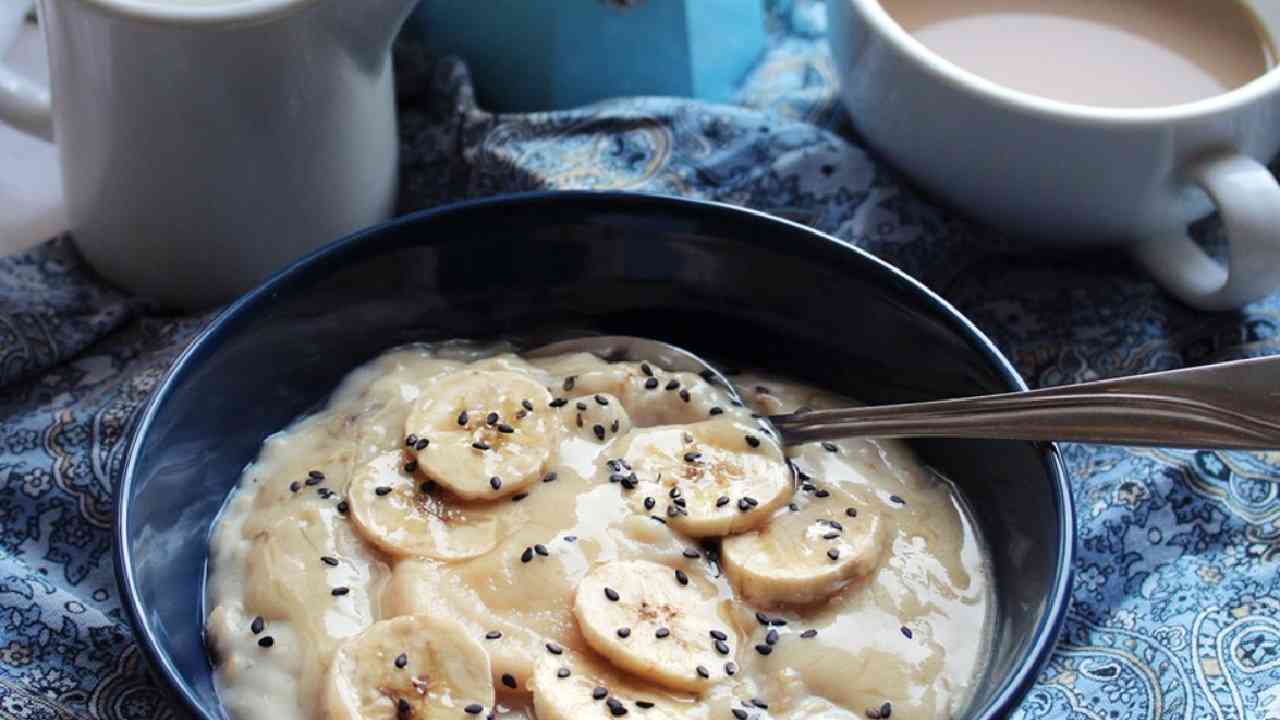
<point>1248,199</point>
<point>24,105</point>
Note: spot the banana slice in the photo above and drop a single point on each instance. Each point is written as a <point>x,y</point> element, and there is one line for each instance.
<point>709,479</point>
<point>804,555</point>
<point>655,622</point>
<point>574,687</point>
<point>483,434</point>
<point>598,417</point>
<point>413,666</point>
<point>650,394</point>
<point>393,510</point>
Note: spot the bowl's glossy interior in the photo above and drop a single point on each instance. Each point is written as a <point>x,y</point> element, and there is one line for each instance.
<point>720,281</point>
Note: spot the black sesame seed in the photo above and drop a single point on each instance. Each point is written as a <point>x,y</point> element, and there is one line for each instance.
<point>771,637</point>
<point>382,491</point>
<point>722,501</point>
<point>906,632</point>
<point>655,517</point>
<point>896,499</point>
<point>343,507</point>
<point>295,486</point>
<point>718,635</point>
<point>422,444</point>
<point>810,633</point>
<point>520,414</point>
<point>830,447</point>
<point>527,555</point>
<point>462,418</point>
<point>599,431</point>
<point>411,440</point>
<point>717,410</point>
<point>644,704</point>
<point>599,693</point>
<point>743,505</point>
<point>624,632</point>
<point>611,594</point>
<point>266,641</point>
<point>739,714</point>
<point>474,709</point>
<point>834,553</point>
<point>257,625</point>
<point>550,477</point>
<point>401,661</point>
<point>808,487</point>
<point>602,400</point>
<point>330,561</point>
<point>563,673</point>
<point>691,553</point>
<point>680,503</point>
<point>554,649</point>
<point>764,649</point>
<point>581,406</point>
<point>505,429</point>
<point>509,680</point>
<point>569,382</point>
<point>793,507</point>
<point>428,487</point>
<point>519,496</point>
<point>762,618</point>
<point>570,538</point>
<point>831,536</point>
<point>613,427</point>
<point>760,703</point>
<point>324,493</point>
<point>541,550</point>
<point>851,512</point>
<point>722,647</point>
<point>493,635</point>
<point>411,467</point>
<point>616,708</point>
<point>833,524</point>
<point>651,384</point>
<point>675,510</point>
<point>578,422</point>
<point>730,668</point>
<point>753,441</point>
<point>491,418</point>
<point>692,456</point>
<point>662,633</point>
<point>644,368</point>
<point>702,671</point>
<point>339,591</point>
<point>750,500</point>
<point>617,477</point>
<point>649,503</point>
<point>313,481</point>
<point>778,622</point>
<point>802,474</point>
<point>495,482</point>
<point>673,385</point>
<point>558,402</point>
<point>886,711</point>
<point>822,494</point>
<point>480,445</point>
<point>681,577</point>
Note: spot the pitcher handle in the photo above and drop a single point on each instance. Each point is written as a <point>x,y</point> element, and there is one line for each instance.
<point>1248,198</point>
<point>24,105</point>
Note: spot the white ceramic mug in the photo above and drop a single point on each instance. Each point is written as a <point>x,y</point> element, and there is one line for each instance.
<point>1071,174</point>
<point>206,143</point>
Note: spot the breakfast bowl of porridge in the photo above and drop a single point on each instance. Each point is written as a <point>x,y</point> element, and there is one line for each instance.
<point>365,492</point>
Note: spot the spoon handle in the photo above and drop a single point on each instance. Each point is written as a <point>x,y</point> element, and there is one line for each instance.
<point>1230,405</point>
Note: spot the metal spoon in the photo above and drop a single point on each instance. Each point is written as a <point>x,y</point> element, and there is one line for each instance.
<point>1231,405</point>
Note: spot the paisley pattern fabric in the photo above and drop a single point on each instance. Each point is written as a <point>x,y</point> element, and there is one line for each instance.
<point>1176,607</point>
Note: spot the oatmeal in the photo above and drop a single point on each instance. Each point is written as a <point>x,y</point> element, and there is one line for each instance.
<point>468,533</point>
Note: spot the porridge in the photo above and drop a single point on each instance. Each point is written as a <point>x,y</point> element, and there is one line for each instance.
<point>462,532</point>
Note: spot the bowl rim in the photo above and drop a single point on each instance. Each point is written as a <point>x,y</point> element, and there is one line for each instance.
<point>1013,687</point>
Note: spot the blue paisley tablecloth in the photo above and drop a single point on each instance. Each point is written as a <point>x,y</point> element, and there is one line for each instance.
<point>1176,608</point>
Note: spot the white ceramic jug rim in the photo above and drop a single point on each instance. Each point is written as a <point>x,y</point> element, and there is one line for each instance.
<point>208,13</point>
<point>1062,111</point>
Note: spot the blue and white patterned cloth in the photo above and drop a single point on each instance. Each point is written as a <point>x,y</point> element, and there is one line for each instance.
<point>1176,609</point>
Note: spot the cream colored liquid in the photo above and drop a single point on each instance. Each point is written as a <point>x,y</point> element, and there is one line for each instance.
<point>1108,53</point>
<point>933,575</point>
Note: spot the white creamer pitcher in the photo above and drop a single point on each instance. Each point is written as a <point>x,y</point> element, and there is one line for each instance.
<point>206,143</point>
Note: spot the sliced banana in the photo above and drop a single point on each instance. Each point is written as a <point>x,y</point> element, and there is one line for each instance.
<point>598,417</point>
<point>484,434</point>
<point>413,666</point>
<point>650,394</point>
<point>709,479</point>
<point>655,622</point>
<point>575,687</point>
<point>804,555</point>
<point>403,515</point>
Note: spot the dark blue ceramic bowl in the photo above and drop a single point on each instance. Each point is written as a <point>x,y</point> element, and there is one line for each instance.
<point>704,276</point>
